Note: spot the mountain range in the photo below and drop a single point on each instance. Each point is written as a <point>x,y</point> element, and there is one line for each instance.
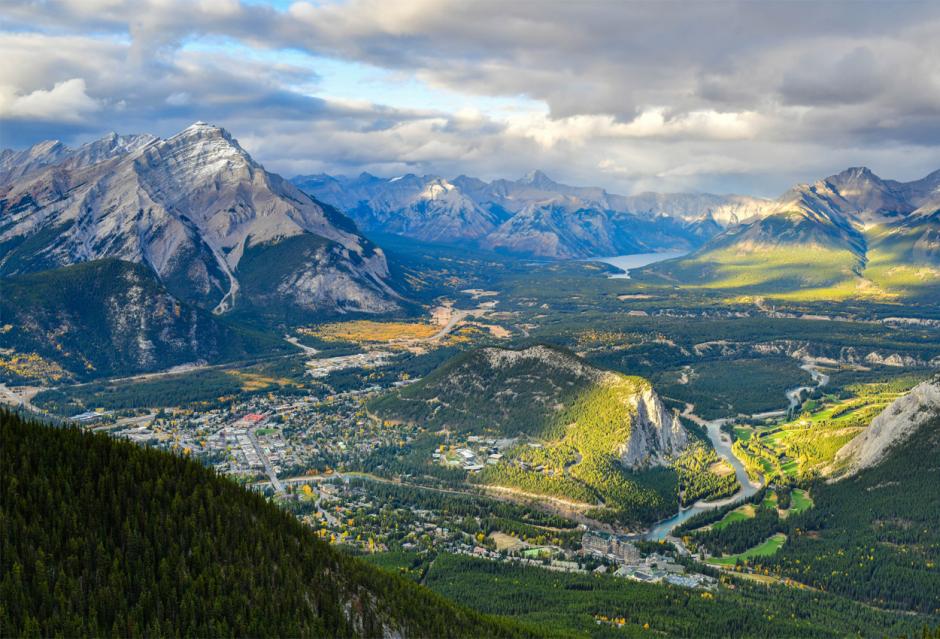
<point>222,233</point>
<point>852,234</point>
<point>532,216</point>
<point>216,236</point>
<point>217,228</point>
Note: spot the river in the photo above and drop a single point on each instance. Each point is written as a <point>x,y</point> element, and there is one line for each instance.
<point>636,260</point>
<point>722,443</point>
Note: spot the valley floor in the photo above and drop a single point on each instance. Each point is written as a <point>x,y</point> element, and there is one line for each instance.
<point>775,392</point>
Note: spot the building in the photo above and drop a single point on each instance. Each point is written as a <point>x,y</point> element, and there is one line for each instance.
<point>609,546</point>
<point>89,417</point>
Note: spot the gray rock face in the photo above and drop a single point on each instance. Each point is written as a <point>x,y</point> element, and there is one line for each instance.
<point>656,434</point>
<point>543,359</point>
<point>18,164</point>
<point>896,423</point>
<point>188,207</point>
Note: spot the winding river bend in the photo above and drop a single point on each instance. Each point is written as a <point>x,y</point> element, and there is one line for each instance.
<point>722,443</point>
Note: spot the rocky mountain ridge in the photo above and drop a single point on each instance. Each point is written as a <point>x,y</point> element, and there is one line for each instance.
<point>853,231</point>
<point>17,164</point>
<point>532,216</point>
<point>190,207</point>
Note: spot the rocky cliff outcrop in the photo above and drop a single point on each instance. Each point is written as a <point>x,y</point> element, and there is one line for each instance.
<point>896,424</point>
<point>656,434</point>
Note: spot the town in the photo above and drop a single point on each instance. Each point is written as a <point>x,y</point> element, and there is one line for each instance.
<point>308,454</point>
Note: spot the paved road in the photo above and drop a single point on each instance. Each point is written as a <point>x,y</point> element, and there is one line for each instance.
<point>308,350</point>
<point>457,316</point>
<point>275,482</point>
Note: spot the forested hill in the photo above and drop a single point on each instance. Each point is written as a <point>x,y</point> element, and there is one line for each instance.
<point>875,537</point>
<point>113,317</point>
<point>102,537</point>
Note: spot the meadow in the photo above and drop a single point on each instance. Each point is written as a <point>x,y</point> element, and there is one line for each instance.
<point>765,548</point>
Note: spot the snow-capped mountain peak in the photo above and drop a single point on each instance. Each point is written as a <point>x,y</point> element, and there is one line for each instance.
<point>192,207</point>
<point>532,215</point>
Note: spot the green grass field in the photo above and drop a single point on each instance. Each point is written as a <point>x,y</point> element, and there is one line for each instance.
<point>800,501</point>
<point>768,547</point>
<point>808,444</point>
<point>739,514</point>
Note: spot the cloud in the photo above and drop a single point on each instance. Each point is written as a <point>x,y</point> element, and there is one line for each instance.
<point>67,101</point>
<point>722,95</point>
<point>651,123</point>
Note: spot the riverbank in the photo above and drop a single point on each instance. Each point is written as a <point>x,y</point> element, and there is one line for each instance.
<point>722,444</point>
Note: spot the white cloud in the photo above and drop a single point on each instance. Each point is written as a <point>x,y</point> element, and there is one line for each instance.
<point>652,123</point>
<point>66,101</point>
<point>725,95</point>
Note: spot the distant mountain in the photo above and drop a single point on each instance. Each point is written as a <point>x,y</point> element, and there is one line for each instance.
<point>531,216</point>
<point>16,164</point>
<point>109,317</point>
<point>219,230</point>
<point>851,234</point>
<point>135,541</point>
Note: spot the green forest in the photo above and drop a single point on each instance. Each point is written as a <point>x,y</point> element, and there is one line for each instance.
<point>101,537</point>
<point>573,603</point>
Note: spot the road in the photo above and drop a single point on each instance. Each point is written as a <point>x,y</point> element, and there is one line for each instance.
<point>457,316</point>
<point>493,492</point>
<point>275,482</point>
<point>308,350</point>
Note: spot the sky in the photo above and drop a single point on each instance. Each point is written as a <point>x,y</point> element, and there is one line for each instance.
<point>710,96</point>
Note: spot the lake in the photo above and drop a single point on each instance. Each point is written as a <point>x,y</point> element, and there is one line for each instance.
<point>637,260</point>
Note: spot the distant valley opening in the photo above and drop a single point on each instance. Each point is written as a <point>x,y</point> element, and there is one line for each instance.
<point>626,263</point>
